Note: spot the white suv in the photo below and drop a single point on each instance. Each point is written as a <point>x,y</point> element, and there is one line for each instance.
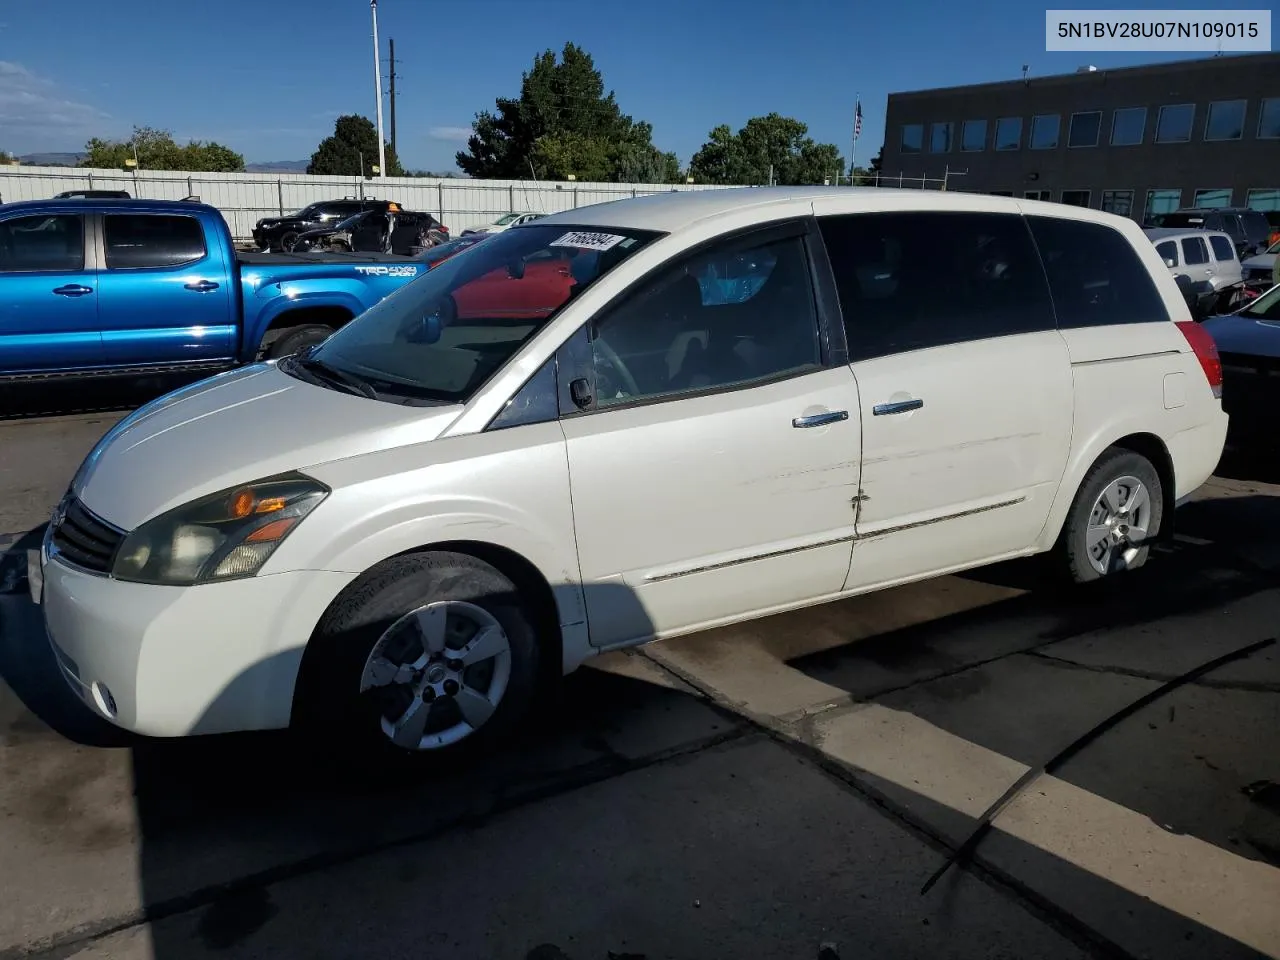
<point>632,420</point>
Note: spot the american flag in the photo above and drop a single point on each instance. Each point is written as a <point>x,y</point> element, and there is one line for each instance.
<point>857,120</point>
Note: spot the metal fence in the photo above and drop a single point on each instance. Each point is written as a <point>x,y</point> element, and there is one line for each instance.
<point>244,198</point>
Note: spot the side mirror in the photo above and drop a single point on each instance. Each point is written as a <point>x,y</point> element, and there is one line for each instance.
<point>515,269</point>
<point>1170,263</point>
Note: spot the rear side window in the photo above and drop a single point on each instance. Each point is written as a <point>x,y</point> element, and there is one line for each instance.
<point>152,240</point>
<point>909,281</point>
<point>1222,249</point>
<point>42,242</point>
<point>1096,276</point>
<point>1194,251</point>
<point>1168,252</point>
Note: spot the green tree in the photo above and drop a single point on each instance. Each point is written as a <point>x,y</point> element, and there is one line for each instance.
<point>157,150</point>
<point>353,137</point>
<point>563,123</point>
<point>772,142</point>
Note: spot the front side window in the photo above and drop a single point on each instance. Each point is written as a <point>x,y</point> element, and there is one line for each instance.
<point>1168,252</point>
<point>1127,126</point>
<point>152,240</point>
<point>736,314</point>
<point>442,336</point>
<point>1225,121</point>
<point>1269,119</point>
<point>910,281</point>
<point>1008,133</point>
<point>1096,276</point>
<point>940,138</point>
<point>1044,132</point>
<point>1212,198</point>
<point>1223,249</point>
<point>1194,251</point>
<point>912,138</point>
<point>1174,123</point>
<point>973,136</point>
<point>1161,202</point>
<point>1119,202</point>
<point>1085,129</point>
<point>42,243</point>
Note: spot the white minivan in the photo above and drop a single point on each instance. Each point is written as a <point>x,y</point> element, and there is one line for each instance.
<point>627,421</point>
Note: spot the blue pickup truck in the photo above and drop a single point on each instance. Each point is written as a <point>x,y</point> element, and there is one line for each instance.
<point>119,287</point>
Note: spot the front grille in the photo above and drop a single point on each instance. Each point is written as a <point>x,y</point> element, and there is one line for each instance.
<point>85,540</point>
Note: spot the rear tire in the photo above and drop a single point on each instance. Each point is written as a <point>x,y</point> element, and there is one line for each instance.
<point>298,338</point>
<point>1116,515</point>
<point>358,683</point>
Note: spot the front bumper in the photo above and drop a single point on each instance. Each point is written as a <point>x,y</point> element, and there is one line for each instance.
<point>177,661</point>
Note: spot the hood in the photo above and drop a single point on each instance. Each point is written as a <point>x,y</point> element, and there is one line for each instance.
<point>235,428</point>
<point>1238,333</point>
<point>282,222</point>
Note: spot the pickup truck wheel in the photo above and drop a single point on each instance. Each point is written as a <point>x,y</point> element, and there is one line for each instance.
<point>425,656</point>
<point>1115,517</point>
<point>298,338</point>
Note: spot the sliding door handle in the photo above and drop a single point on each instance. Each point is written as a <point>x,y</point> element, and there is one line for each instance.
<point>821,419</point>
<point>899,406</point>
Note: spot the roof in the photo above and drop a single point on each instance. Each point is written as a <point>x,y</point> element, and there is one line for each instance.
<point>1262,61</point>
<point>674,211</point>
<point>132,206</point>
<point>1168,233</point>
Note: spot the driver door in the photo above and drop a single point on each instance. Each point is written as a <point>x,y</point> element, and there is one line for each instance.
<point>714,466</point>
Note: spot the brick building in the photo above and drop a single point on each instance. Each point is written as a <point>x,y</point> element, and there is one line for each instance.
<point>1135,141</point>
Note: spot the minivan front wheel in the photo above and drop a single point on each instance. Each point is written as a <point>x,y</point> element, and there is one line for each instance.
<point>426,654</point>
<point>1115,517</point>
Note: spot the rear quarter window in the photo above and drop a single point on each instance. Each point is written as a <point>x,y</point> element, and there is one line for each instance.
<point>1096,277</point>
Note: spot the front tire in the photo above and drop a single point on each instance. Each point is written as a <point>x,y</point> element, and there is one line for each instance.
<point>426,656</point>
<point>1115,517</point>
<point>298,338</point>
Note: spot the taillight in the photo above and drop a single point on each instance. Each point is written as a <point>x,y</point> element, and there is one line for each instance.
<point>1206,351</point>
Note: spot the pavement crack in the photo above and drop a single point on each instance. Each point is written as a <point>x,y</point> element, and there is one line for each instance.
<point>1247,686</point>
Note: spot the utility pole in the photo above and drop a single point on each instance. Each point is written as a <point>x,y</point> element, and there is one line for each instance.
<point>392,43</point>
<point>377,86</point>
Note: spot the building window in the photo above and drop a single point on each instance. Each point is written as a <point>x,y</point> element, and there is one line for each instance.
<point>1128,125</point>
<point>1269,119</point>
<point>1001,193</point>
<point>1119,202</point>
<point>940,138</point>
<point>1076,198</point>
<point>1225,120</point>
<point>1085,128</point>
<point>1044,132</point>
<point>1212,198</point>
<point>973,135</point>
<point>1174,123</point>
<point>1162,201</point>
<point>1267,199</point>
<point>912,137</point>
<point>1044,195</point>
<point>1009,133</point>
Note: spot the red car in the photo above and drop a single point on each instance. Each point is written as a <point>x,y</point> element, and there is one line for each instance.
<point>528,291</point>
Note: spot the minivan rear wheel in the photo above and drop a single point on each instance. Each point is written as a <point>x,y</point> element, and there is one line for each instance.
<point>425,656</point>
<point>1115,517</point>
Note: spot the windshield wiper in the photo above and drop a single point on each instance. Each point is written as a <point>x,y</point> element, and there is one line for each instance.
<point>334,376</point>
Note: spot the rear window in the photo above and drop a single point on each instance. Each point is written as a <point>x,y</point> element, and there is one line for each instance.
<point>1096,276</point>
<point>1182,220</point>
<point>1223,249</point>
<point>1256,226</point>
<point>152,240</point>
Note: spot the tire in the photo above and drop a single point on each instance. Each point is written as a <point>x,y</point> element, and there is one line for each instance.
<point>1116,470</point>
<point>330,707</point>
<point>297,339</point>
<point>287,240</point>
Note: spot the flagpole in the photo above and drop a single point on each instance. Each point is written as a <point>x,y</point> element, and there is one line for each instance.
<point>853,149</point>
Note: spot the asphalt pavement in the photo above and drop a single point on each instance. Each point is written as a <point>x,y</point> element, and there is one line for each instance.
<point>751,792</point>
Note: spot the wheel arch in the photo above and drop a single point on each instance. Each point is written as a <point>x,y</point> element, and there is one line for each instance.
<point>329,315</point>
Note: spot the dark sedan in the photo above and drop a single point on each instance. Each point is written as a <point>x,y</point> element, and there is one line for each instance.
<point>1249,345</point>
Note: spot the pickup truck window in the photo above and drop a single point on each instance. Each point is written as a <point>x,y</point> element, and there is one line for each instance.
<point>150,240</point>
<point>42,242</point>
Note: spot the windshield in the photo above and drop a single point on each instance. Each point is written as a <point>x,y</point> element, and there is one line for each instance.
<point>1274,248</point>
<point>503,221</point>
<point>1266,307</point>
<point>442,336</point>
<point>350,223</point>
<point>447,249</point>
<point>309,212</point>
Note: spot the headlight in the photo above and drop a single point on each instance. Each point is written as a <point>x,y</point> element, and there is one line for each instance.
<point>223,536</point>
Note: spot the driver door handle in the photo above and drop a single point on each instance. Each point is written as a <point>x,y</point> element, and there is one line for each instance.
<point>821,419</point>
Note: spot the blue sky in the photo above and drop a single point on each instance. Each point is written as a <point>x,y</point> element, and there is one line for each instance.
<point>267,77</point>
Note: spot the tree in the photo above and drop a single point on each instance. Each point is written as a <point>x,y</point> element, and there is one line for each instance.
<point>564,123</point>
<point>771,142</point>
<point>6,157</point>
<point>354,137</point>
<point>157,150</point>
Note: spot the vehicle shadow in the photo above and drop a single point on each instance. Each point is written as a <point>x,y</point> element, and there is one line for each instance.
<point>31,399</point>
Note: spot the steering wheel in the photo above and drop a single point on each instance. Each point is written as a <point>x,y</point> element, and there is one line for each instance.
<point>613,367</point>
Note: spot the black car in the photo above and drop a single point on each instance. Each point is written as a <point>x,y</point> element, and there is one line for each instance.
<point>1248,228</point>
<point>280,233</point>
<point>402,232</point>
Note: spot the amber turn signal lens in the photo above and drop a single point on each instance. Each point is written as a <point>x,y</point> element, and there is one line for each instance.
<point>269,505</point>
<point>242,504</point>
<point>271,531</point>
